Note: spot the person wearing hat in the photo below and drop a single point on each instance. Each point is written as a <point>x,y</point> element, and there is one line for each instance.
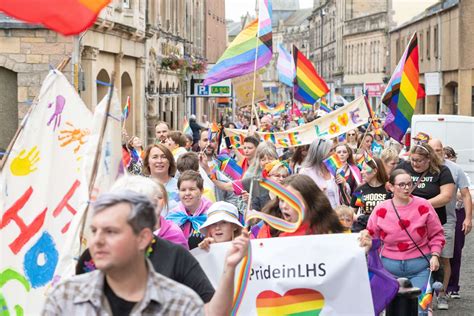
<point>222,224</point>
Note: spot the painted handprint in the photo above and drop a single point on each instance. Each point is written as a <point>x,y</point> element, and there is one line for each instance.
<point>58,110</point>
<point>24,164</point>
<point>69,136</point>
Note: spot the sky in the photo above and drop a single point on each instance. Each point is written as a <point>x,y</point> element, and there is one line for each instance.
<point>404,9</point>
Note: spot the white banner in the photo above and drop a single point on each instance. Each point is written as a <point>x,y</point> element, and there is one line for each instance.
<point>304,275</point>
<point>42,191</point>
<point>329,126</point>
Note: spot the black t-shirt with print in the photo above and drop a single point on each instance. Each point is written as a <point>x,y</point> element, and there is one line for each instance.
<point>172,261</point>
<point>371,196</point>
<point>430,185</point>
<point>118,305</point>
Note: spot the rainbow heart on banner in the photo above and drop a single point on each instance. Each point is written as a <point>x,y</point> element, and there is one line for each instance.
<point>295,302</point>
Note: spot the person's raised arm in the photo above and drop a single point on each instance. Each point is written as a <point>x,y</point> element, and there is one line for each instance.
<point>221,302</point>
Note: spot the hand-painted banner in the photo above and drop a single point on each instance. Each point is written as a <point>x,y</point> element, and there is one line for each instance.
<point>304,275</point>
<point>42,191</point>
<point>329,126</point>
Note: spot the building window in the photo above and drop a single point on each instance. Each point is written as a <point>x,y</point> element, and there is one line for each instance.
<point>428,43</point>
<point>421,46</point>
<point>435,38</point>
<point>126,4</point>
<point>397,49</point>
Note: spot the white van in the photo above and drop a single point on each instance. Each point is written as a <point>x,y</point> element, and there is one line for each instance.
<point>453,130</point>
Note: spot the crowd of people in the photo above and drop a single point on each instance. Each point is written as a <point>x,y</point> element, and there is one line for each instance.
<point>414,199</point>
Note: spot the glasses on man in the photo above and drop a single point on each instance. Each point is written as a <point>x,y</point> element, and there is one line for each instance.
<point>403,185</point>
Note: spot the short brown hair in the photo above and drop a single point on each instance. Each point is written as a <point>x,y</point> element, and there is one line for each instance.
<point>188,161</point>
<point>191,175</point>
<point>166,152</point>
<point>178,138</point>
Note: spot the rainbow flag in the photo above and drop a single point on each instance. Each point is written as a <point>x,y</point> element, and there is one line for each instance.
<point>230,166</point>
<point>306,107</point>
<point>213,130</point>
<point>186,128</point>
<point>424,300</point>
<point>68,17</point>
<point>239,58</point>
<point>359,199</point>
<point>236,140</point>
<point>285,66</point>
<point>294,302</point>
<point>323,105</point>
<point>333,163</point>
<point>309,86</point>
<point>126,109</point>
<point>273,110</point>
<point>402,92</point>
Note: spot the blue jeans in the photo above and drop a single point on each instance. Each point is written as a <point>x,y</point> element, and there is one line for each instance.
<point>416,270</point>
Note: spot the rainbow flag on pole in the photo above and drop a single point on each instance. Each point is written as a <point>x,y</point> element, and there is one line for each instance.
<point>126,109</point>
<point>187,128</point>
<point>426,296</point>
<point>309,86</point>
<point>68,17</point>
<point>254,41</point>
<point>402,92</point>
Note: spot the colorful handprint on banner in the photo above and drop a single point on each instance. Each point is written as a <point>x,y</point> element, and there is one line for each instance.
<point>24,164</point>
<point>73,135</point>
<point>58,110</point>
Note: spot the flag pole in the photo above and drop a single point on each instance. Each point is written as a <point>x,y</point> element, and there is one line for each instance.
<point>98,153</point>
<point>249,202</point>
<point>3,160</point>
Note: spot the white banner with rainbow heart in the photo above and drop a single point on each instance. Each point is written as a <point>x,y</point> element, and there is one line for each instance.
<point>329,126</point>
<point>304,275</point>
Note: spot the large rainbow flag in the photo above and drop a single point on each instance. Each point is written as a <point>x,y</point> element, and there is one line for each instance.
<point>68,17</point>
<point>309,86</point>
<point>253,41</point>
<point>402,92</point>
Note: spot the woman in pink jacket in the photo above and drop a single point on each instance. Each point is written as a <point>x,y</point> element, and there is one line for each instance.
<point>410,230</point>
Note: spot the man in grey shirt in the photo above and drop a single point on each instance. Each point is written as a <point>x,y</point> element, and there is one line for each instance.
<point>462,184</point>
<point>125,281</point>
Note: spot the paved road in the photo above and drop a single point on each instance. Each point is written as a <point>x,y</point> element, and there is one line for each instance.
<point>464,306</point>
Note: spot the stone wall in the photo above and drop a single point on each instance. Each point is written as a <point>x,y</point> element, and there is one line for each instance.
<point>31,53</point>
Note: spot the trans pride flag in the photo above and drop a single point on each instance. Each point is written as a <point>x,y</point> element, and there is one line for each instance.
<point>309,86</point>
<point>254,41</point>
<point>285,66</point>
<point>402,92</point>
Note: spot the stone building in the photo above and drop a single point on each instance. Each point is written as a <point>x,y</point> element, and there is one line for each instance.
<point>446,56</point>
<point>293,30</point>
<point>152,47</point>
<point>348,44</point>
<point>365,39</point>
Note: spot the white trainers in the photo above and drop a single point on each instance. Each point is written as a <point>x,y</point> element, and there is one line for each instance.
<point>454,295</point>
<point>443,303</point>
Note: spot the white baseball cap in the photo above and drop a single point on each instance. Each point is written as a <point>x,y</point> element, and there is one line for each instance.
<point>221,211</point>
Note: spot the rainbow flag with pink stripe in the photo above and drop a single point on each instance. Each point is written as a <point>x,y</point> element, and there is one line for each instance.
<point>402,92</point>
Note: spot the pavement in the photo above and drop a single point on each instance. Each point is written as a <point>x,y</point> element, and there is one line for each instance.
<point>465,305</point>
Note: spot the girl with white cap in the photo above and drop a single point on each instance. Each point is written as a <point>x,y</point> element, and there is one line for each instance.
<point>222,224</point>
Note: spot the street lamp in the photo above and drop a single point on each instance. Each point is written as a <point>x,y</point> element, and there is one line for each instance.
<point>322,13</point>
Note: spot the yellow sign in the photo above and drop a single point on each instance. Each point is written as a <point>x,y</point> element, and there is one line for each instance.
<point>243,89</point>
